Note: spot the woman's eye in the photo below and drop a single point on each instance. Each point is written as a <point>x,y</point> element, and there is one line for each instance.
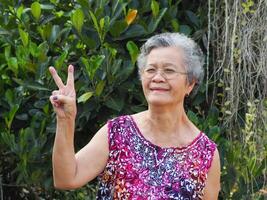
<point>150,70</point>
<point>169,71</point>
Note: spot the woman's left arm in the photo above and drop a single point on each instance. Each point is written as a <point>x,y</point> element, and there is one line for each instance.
<point>213,186</point>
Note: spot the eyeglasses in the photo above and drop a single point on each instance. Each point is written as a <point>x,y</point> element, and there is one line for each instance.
<point>167,73</point>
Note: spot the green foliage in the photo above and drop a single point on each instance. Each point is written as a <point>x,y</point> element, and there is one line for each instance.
<point>101,39</point>
<point>36,10</point>
<point>246,167</point>
<point>77,19</point>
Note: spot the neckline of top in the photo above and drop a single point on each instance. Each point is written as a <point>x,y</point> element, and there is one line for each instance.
<point>200,134</point>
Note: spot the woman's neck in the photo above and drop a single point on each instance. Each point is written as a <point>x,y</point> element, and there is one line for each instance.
<point>166,119</point>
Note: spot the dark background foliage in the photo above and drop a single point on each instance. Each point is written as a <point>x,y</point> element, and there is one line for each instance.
<point>101,39</point>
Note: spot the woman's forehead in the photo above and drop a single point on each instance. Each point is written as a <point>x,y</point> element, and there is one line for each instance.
<point>171,56</point>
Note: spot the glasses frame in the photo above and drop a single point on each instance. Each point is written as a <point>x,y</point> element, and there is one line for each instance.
<point>162,73</point>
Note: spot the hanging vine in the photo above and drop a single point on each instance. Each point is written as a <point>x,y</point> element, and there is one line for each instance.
<point>237,35</point>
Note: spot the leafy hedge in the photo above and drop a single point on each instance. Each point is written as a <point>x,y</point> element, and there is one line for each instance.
<point>101,39</point>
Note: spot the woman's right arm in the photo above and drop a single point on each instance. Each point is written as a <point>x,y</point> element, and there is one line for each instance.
<point>72,170</point>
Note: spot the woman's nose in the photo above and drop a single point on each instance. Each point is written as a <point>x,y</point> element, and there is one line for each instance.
<point>158,77</point>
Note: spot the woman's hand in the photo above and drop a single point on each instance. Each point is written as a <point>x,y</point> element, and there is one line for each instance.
<point>64,99</point>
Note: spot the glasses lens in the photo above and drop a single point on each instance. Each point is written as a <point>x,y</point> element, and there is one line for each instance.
<point>166,73</point>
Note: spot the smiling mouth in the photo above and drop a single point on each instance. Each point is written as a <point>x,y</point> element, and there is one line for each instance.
<point>159,89</point>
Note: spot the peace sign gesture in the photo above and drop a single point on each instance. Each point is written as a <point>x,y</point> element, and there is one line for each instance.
<point>64,99</point>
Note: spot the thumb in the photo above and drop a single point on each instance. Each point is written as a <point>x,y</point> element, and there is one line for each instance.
<point>61,99</point>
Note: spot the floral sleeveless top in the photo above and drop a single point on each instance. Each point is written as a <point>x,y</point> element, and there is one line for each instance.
<point>137,169</point>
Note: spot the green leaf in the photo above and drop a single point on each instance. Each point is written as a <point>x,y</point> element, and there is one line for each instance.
<point>7,52</point>
<point>214,133</point>
<point>84,3</point>
<point>200,98</point>
<point>40,104</point>
<point>8,139</point>
<point>125,71</point>
<point>46,109</point>
<point>102,23</point>
<point>22,117</point>
<point>31,85</point>
<point>24,37</point>
<point>116,66</point>
<point>54,33</point>
<point>47,31</point>
<point>84,97</point>
<point>133,50</point>
<point>36,10</point>
<point>43,48</point>
<point>54,1</point>
<point>104,27</point>
<point>77,19</point>
<point>59,14</point>
<point>4,32</point>
<point>99,88</point>
<point>92,64</point>
<point>20,11</point>
<point>115,104</point>
<point>9,95</point>
<point>193,18</point>
<point>35,86</point>
<point>59,62</point>
<point>34,49</point>
<point>12,63</point>
<point>213,115</point>
<point>95,22</point>
<point>47,7</point>
<point>259,169</point>
<point>155,8</point>
<point>117,9</point>
<point>90,41</point>
<point>118,27</point>
<point>185,29</point>
<point>9,118</point>
<point>175,25</point>
<point>155,21</point>
<point>193,117</point>
<point>36,175</point>
<point>134,30</point>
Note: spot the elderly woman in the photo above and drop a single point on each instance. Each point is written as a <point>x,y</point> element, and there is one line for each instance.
<point>155,154</point>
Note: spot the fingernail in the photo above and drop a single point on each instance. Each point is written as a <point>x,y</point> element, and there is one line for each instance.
<point>71,68</point>
<point>51,69</point>
<point>54,97</point>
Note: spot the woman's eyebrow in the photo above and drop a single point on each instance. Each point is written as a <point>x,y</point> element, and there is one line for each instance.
<point>169,65</point>
<point>164,65</point>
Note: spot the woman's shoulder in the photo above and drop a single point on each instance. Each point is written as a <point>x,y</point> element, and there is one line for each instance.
<point>207,147</point>
<point>139,115</point>
<point>121,118</point>
<point>203,138</point>
<point>208,140</point>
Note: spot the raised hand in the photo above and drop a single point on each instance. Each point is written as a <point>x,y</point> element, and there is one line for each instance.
<point>64,99</point>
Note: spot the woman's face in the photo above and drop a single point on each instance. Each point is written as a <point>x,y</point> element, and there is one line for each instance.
<point>164,78</point>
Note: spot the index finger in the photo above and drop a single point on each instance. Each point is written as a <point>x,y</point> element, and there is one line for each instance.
<point>70,79</point>
<point>56,78</point>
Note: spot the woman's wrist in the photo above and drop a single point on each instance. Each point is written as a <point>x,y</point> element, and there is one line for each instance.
<point>66,119</point>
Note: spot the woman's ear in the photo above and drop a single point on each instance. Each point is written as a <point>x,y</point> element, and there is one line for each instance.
<point>191,86</point>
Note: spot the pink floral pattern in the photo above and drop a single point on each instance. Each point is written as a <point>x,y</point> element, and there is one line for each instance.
<point>138,169</point>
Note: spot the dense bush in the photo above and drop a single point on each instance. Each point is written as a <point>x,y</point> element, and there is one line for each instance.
<point>101,39</point>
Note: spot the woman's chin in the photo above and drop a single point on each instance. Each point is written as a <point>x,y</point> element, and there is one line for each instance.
<point>159,101</point>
